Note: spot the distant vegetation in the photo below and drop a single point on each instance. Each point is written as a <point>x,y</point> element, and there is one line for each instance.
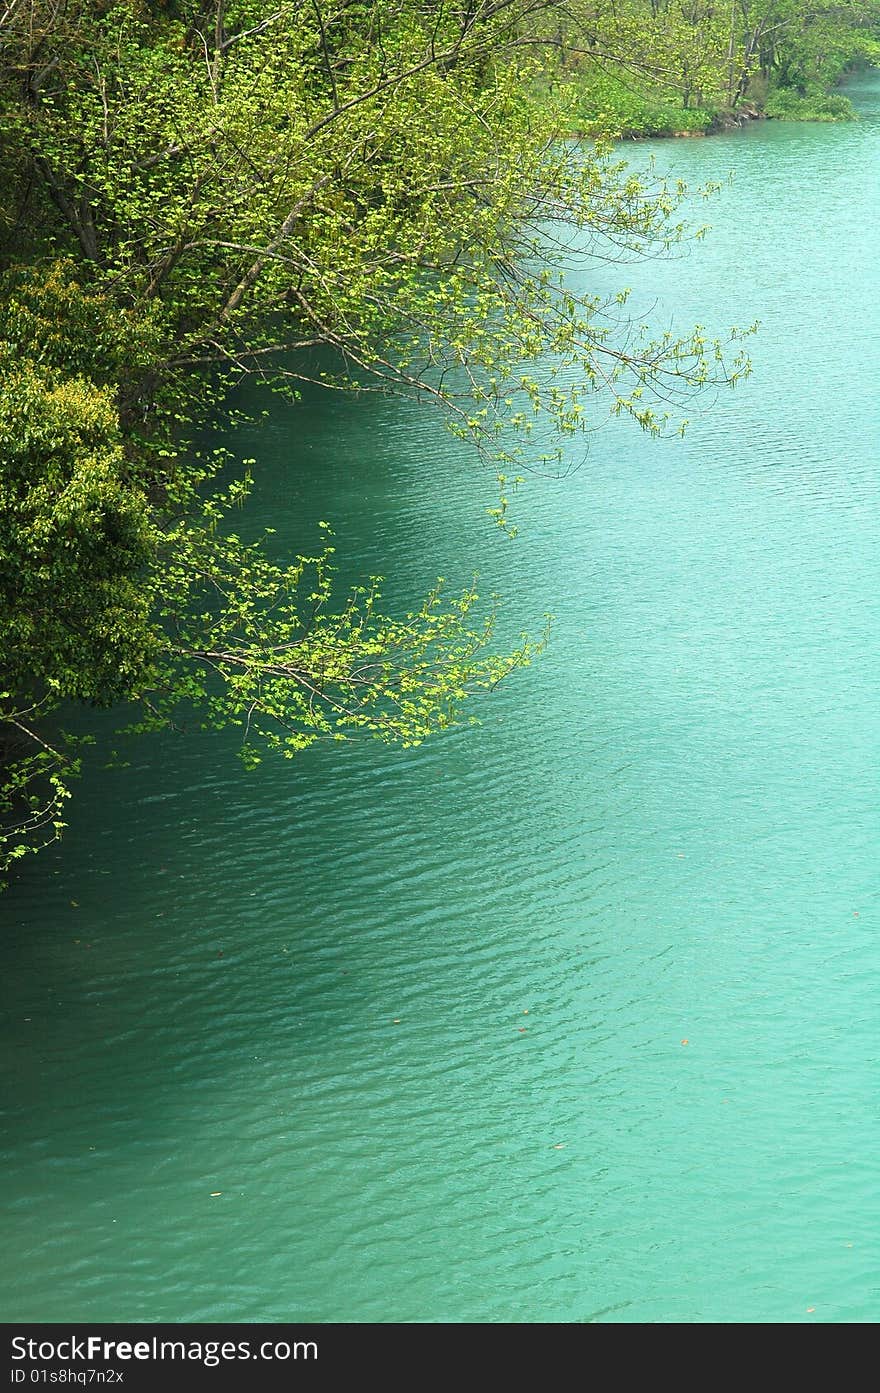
<point>663,67</point>
<point>610,98</point>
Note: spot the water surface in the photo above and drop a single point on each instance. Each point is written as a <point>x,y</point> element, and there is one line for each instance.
<point>570,1017</point>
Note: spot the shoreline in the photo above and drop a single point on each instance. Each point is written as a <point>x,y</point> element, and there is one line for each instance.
<point>723,121</point>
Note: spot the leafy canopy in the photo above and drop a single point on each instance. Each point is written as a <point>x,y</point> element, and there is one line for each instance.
<point>363,194</point>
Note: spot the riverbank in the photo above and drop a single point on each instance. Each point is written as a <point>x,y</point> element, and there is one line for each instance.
<point>605,99</point>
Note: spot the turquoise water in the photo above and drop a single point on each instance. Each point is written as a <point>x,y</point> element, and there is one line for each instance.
<point>421,1017</point>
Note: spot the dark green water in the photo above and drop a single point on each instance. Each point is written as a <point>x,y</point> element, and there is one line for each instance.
<point>666,830</point>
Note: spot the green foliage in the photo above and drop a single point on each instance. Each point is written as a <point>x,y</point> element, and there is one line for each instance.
<point>73,541</point>
<point>197,192</point>
<point>609,101</point>
<point>263,648</point>
<point>74,536</point>
<point>643,62</point>
<point>205,190</point>
<point>299,183</point>
<point>34,788</point>
<point>49,316</point>
<point>784,104</point>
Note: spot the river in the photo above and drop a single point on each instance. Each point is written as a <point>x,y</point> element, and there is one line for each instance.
<point>572,1016</point>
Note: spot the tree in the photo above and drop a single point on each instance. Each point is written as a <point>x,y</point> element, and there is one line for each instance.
<point>702,53</point>
<point>105,598</point>
<point>206,191</point>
